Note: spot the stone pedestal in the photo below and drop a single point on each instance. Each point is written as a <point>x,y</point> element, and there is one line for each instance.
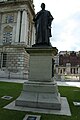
<point>40,91</point>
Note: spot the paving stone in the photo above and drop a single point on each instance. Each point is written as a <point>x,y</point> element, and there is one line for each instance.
<point>76,103</point>
<point>7,97</point>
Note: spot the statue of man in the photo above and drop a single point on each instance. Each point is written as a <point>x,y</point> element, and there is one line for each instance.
<point>43,20</point>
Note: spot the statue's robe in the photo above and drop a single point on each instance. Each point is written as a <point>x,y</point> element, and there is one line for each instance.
<point>43,21</point>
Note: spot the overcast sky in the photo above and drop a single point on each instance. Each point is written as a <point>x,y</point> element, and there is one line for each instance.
<point>66,23</point>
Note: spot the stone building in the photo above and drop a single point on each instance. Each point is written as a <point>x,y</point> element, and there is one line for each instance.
<point>17,32</point>
<point>68,63</point>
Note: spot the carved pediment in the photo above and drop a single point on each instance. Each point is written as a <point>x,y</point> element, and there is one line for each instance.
<point>8,29</point>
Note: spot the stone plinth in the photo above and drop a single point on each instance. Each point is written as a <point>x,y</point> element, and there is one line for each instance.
<point>40,91</point>
<point>41,63</point>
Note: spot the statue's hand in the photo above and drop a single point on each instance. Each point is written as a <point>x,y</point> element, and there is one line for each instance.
<point>49,27</point>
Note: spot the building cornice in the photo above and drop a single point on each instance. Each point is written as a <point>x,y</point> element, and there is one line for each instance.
<point>17,3</point>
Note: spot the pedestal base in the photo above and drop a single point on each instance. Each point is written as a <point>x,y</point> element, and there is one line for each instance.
<point>39,95</point>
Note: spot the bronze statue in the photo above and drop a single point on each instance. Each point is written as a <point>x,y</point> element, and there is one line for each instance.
<point>43,20</point>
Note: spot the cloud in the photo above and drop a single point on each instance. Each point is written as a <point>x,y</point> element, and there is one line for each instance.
<point>60,9</point>
<point>67,33</point>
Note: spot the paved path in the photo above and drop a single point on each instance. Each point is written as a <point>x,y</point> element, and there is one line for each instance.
<point>75,84</point>
<point>13,80</point>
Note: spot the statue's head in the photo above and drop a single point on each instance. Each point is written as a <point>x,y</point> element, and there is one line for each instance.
<point>43,6</point>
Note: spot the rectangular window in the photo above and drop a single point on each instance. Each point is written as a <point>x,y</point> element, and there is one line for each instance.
<point>9,19</point>
<point>3,59</point>
<point>7,38</point>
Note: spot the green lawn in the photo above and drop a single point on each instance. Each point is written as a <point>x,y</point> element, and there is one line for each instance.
<point>13,89</point>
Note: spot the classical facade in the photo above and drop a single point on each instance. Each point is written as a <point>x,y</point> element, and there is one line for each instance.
<point>17,32</point>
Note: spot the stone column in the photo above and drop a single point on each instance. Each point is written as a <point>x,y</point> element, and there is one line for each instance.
<point>79,73</point>
<point>68,68</point>
<point>62,77</point>
<point>33,34</point>
<point>79,70</point>
<point>24,27</point>
<point>75,70</point>
<point>59,71</point>
<point>18,27</point>
<point>62,71</point>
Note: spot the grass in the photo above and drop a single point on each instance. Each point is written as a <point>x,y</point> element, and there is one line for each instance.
<point>14,89</point>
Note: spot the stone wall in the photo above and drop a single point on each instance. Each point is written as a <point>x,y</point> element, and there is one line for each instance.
<point>17,62</point>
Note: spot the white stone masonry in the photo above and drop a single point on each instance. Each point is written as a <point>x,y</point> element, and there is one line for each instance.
<point>18,27</point>
<point>24,27</point>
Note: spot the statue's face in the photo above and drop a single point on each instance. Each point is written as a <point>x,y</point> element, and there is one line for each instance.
<point>43,6</point>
